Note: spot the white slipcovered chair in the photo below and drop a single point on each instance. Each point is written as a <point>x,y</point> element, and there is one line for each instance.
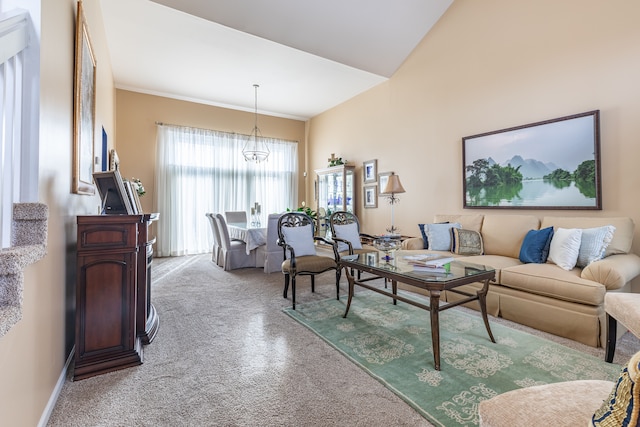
<point>236,216</point>
<point>270,255</point>
<point>215,255</point>
<point>233,253</point>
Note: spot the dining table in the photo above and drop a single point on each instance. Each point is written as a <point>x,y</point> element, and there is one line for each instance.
<point>252,235</point>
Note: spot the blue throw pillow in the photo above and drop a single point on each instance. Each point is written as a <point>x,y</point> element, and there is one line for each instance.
<point>535,246</point>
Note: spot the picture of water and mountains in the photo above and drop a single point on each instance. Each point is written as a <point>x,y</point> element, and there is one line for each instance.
<point>549,165</point>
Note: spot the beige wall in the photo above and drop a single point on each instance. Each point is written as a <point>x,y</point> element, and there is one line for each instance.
<point>136,132</point>
<point>490,65</point>
<point>33,353</point>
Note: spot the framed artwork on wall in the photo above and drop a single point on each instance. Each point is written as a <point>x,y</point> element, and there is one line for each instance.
<point>370,171</point>
<point>84,109</point>
<point>370,196</point>
<point>554,164</point>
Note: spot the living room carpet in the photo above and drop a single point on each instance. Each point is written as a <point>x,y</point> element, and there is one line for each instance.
<point>393,344</point>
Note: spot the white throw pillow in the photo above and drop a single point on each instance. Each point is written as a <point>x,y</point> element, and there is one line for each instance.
<point>301,239</point>
<point>350,233</point>
<point>565,246</point>
<point>594,244</point>
<point>439,235</point>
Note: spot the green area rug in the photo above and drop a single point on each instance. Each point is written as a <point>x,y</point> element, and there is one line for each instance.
<point>393,344</point>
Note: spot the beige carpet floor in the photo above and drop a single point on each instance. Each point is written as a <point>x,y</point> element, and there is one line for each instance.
<point>227,355</point>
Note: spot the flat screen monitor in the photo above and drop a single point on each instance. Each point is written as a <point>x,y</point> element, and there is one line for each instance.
<point>112,193</point>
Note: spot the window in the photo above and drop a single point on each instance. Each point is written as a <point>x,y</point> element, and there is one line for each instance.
<point>200,171</point>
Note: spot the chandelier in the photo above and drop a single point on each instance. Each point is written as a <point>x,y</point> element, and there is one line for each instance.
<point>255,149</point>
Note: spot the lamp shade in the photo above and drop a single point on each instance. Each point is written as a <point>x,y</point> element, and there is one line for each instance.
<point>394,186</point>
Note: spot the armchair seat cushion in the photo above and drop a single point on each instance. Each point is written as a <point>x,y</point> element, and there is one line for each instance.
<point>311,264</point>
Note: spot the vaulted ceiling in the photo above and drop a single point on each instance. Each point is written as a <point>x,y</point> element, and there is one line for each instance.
<point>306,56</point>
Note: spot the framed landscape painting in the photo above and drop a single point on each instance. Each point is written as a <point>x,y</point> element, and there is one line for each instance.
<point>554,164</point>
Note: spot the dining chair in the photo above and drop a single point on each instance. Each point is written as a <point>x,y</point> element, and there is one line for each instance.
<point>233,253</point>
<point>269,256</point>
<point>296,236</point>
<point>345,230</point>
<point>215,255</point>
<point>236,216</point>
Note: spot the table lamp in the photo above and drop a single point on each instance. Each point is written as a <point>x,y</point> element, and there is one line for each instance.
<point>392,188</point>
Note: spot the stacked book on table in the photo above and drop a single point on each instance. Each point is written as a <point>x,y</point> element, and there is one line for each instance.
<point>429,262</point>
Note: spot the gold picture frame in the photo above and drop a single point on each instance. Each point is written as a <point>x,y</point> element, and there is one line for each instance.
<point>84,108</point>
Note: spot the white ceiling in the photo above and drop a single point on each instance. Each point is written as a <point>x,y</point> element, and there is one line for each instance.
<point>307,56</point>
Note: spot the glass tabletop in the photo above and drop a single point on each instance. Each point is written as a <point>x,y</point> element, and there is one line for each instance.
<point>400,267</point>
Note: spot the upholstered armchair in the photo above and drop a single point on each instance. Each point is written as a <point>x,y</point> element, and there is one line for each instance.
<point>296,236</point>
<point>345,230</point>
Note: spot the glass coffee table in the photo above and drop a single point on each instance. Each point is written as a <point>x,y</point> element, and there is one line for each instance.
<point>399,270</point>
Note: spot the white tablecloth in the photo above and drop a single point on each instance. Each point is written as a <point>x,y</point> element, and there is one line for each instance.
<point>253,237</point>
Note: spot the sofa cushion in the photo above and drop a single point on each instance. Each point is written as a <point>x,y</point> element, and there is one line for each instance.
<point>497,262</point>
<point>439,236</point>
<point>468,222</point>
<point>425,238</point>
<point>594,243</point>
<point>503,234</point>
<point>466,242</point>
<point>535,246</point>
<point>550,281</point>
<point>622,237</point>
<point>565,247</point>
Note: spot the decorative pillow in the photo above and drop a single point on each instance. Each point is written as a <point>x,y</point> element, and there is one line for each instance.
<point>347,232</point>
<point>439,236</point>
<point>466,242</point>
<point>535,246</point>
<point>301,239</point>
<point>565,246</point>
<point>594,243</point>
<point>425,239</point>
<point>622,407</point>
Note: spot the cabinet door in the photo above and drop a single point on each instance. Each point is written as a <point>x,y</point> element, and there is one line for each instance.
<point>105,306</point>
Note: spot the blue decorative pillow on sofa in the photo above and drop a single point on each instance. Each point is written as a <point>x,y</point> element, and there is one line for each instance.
<point>535,246</point>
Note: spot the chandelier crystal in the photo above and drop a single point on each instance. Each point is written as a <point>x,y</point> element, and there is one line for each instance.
<point>255,148</point>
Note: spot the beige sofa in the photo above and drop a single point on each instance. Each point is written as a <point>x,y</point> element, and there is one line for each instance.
<point>545,296</point>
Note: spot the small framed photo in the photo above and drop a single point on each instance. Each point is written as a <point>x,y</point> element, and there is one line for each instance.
<point>371,196</point>
<point>383,178</point>
<point>370,171</point>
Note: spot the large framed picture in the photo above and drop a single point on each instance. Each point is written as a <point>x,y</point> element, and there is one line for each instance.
<point>84,108</point>
<point>554,164</point>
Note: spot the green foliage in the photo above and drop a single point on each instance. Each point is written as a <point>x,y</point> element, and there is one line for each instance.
<point>483,175</point>
<point>312,214</point>
<point>558,175</point>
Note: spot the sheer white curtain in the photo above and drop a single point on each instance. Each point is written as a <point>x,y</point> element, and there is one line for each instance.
<point>200,171</point>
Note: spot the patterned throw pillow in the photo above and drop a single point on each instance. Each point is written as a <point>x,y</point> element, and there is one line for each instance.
<point>535,246</point>
<point>622,407</point>
<point>594,243</point>
<point>466,242</point>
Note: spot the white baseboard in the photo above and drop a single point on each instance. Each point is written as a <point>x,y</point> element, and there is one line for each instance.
<point>44,418</point>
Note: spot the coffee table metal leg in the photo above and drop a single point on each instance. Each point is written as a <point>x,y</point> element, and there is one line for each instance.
<point>351,281</point>
<point>482,299</point>
<point>434,305</point>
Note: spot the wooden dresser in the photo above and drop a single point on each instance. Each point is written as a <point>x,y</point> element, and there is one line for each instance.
<point>114,313</point>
